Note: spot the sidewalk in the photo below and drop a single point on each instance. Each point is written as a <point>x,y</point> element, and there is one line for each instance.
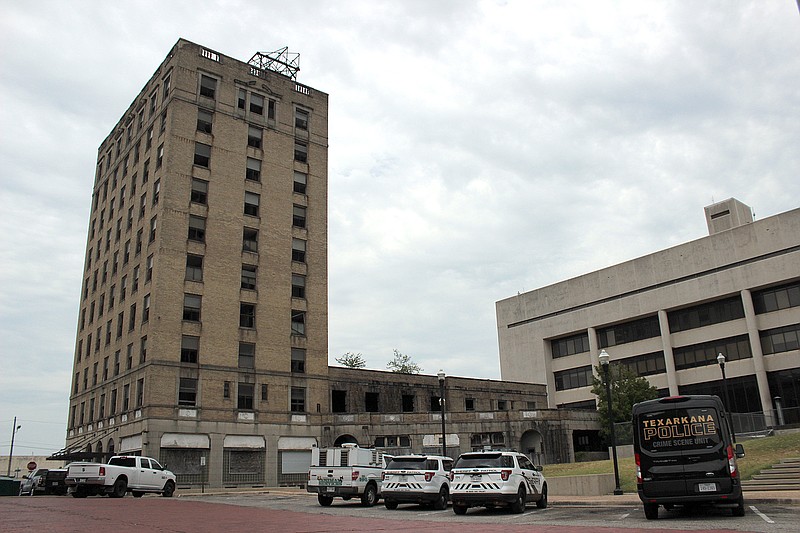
<point>786,497</point>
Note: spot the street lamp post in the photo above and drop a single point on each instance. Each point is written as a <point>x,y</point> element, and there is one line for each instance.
<point>604,357</point>
<point>721,361</point>
<point>441,377</point>
<point>14,430</point>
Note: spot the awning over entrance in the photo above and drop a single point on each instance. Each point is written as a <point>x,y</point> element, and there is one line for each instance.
<point>130,444</point>
<point>185,440</point>
<point>296,443</point>
<point>244,441</point>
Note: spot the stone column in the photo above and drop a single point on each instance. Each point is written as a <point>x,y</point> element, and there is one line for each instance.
<point>594,352</point>
<point>214,463</point>
<point>758,357</point>
<point>669,358</point>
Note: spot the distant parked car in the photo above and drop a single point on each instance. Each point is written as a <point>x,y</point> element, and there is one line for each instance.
<point>33,482</point>
<point>55,481</point>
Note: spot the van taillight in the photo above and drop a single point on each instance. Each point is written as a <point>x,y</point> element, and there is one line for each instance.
<point>355,475</point>
<point>429,476</point>
<point>102,471</point>
<point>732,462</point>
<point>505,474</point>
<point>638,468</point>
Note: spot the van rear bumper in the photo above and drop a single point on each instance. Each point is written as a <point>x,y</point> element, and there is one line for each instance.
<point>731,497</point>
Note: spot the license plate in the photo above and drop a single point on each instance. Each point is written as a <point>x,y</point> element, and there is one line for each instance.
<point>707,487</point>
<point>53,483</point>
<point>330,489</point>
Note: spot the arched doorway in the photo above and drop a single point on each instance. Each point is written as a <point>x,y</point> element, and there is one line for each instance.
<point>98,452</point>
<point>110,447</point>
<point>532,445</point>
<point>345,439</point>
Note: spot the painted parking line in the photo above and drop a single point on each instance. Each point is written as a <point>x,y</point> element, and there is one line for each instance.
<point>766,519</point>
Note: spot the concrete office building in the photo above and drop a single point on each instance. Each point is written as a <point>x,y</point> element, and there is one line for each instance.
<point>669,314</point>
<point>203,328</point>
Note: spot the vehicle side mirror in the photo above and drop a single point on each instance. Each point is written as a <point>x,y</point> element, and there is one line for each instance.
<point>538,468</point>
<point>739,450</point>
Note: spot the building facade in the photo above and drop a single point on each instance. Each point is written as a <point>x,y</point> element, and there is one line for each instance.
<point>669,314</point>
<point>203,328</point>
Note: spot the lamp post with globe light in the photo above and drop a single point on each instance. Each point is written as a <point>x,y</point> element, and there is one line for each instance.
<point>441,376</point>
<point>721,361</point>
<point>604,363</point>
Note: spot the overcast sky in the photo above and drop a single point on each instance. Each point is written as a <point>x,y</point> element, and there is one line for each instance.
<point>477,150</point>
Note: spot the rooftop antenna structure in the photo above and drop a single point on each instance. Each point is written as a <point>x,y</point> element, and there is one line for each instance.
<point>280,61</point>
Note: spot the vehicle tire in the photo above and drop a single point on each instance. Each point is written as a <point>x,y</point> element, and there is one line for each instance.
<point>459,508</point>
<point>650,511</point>
<point>518,506</point>
<point>324,501</point>
<point>370,496</point>
<point>391,505</point>
<point>169,489</point>
<point>137,493</point>
<point>542,503</point>
<point>120,488</point>
<point>441,502</point>
<point>739,509</point>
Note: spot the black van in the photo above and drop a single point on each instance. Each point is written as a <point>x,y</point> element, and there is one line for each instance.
<point>685,454</point>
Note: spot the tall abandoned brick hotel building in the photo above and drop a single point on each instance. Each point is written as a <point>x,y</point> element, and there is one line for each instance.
<point>203,325</point>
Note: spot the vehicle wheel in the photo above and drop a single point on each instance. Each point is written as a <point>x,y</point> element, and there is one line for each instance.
<point>169,489</point>
<point>120,488</point>
<point>137,494</point>
<point>739,509</point>
<point>370,496</point>
<point>390,505</point>
<point>441,502</point>
<point>323,500</point>
<point>542,503</point>
<point>650,511</point>
<point>518,506</point>
<point>459,508</point>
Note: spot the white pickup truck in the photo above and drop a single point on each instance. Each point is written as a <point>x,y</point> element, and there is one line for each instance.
<point>345,473</point>
<point>122,473</point>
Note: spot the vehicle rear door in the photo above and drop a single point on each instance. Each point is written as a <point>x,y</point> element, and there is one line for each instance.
<point>681,452</point>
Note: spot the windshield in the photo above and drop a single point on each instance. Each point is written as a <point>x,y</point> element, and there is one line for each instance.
<point>480,460</point>
<point>407,463</point>
<point>680,429</point>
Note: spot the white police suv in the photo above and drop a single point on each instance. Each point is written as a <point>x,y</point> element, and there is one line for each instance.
<point>417,479</point>
<point>492,478</point>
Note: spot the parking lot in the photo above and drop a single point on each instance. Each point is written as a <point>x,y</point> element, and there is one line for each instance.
<point>296,512</point>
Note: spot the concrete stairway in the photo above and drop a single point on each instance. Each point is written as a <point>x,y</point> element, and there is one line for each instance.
<point>782,476</point>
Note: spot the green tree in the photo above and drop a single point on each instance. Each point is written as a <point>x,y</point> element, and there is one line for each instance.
<point>352,360</point>
<point>626,389</point>
<point>403,364</point>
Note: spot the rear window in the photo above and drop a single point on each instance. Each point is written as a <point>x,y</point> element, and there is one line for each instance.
<point>484,460</point>
<point>123,461</point>
<point>408,463</point>
<point>679,429</point>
